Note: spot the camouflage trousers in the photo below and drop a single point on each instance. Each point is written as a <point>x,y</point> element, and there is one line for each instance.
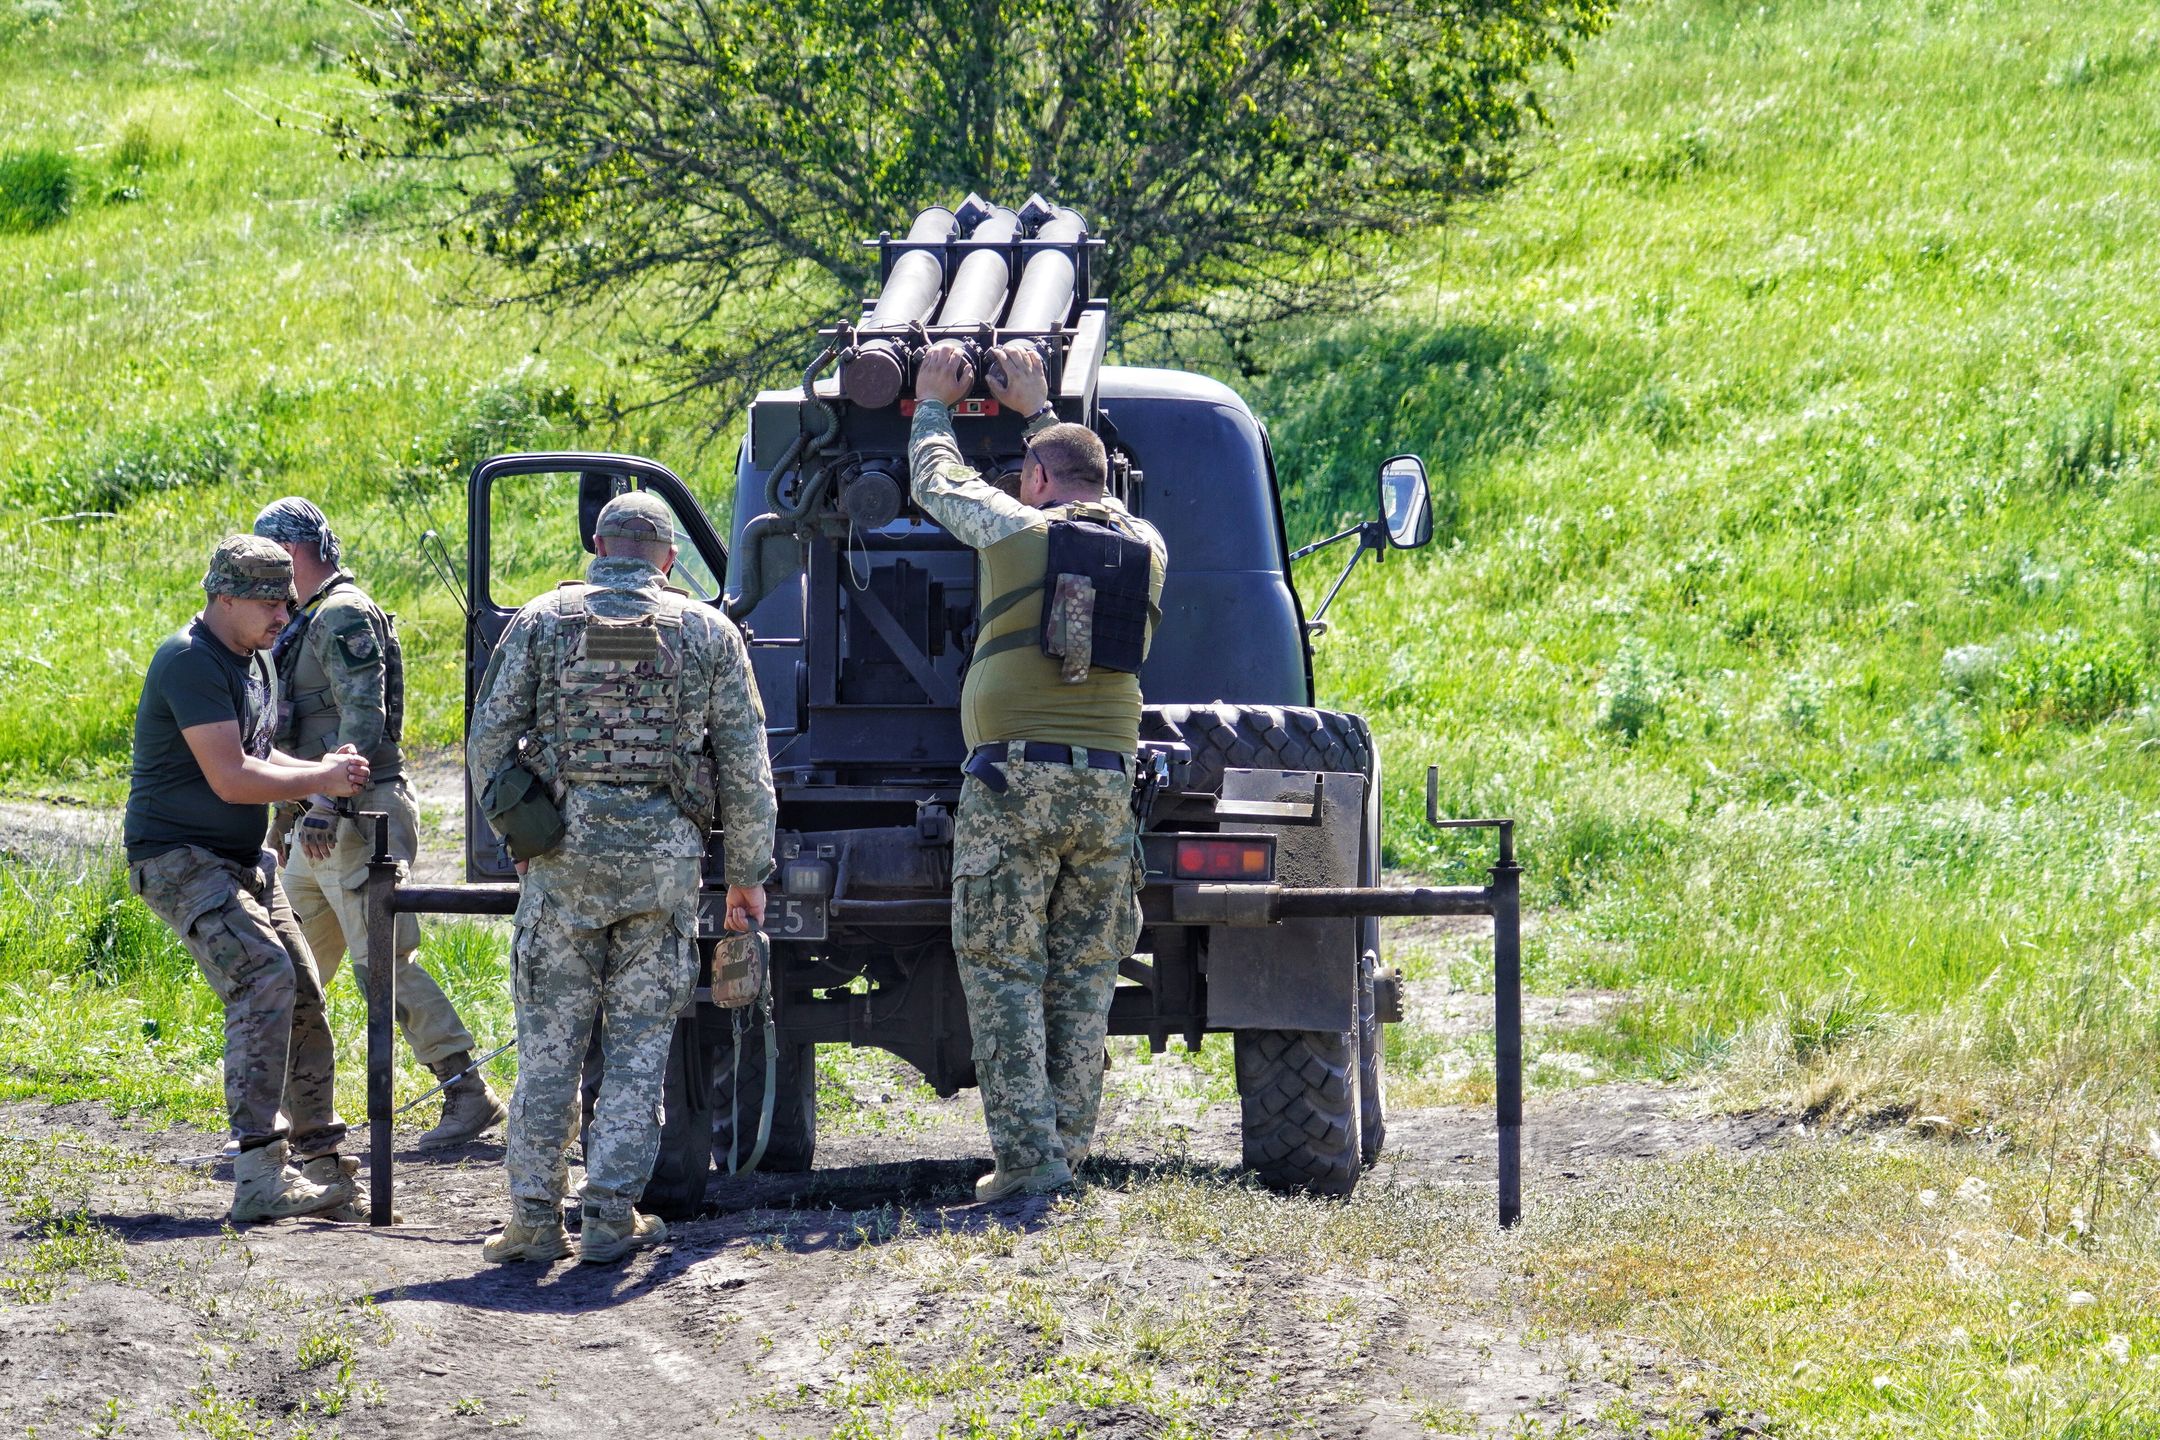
<point>278,1054</point>
<point>1045,904</point>
<point>605,943</point>
<point>331,904</point>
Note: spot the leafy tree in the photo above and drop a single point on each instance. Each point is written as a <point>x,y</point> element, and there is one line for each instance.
<point>716,165</point>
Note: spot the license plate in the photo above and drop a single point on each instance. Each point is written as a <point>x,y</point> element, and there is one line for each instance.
<point>787,917</point>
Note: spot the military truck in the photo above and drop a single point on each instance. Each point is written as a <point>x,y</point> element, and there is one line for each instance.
<point>1262,833</point>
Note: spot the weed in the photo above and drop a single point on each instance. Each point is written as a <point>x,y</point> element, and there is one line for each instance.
<point>1634,689</point>
<point>37,190</point>
<point>2070,679</point>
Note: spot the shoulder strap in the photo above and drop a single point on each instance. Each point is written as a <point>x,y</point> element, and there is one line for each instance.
<point>570,599</point>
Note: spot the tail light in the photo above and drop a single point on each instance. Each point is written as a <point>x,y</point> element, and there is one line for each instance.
<point>1226,857</point>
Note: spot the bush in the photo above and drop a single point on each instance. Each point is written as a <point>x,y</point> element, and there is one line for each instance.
<point>2069,680</point>
<point>37,189</point>
<point>220,446</point>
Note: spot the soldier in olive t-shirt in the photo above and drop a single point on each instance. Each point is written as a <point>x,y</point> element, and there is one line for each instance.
<point>205,774</point>
<point>197,679</point>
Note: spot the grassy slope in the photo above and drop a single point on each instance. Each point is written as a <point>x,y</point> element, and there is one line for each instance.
<point>1797,416</point>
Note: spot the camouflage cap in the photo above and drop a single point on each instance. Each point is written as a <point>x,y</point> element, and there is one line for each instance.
<point>639,515</point>
<point>248,567</point>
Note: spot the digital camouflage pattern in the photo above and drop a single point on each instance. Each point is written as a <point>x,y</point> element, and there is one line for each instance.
<point>329,900</point>
<point>607,921</point>
<point>278,1053</point>
<point>1046,876</point>
<point>607,942</point>
<point>341,675</point>
<point>636,515</point>
<point>718,701</point>
<point>1045,904</point>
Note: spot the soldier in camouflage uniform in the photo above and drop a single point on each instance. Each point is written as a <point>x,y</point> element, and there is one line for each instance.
<point>635,708</point>
<point>341,678</point>
<point>204,775</point>
<point>1045,864</point>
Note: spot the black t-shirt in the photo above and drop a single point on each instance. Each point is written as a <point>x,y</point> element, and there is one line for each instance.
<point>196,679</point>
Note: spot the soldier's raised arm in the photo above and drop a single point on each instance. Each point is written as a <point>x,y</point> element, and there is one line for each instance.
<point>976,512</point>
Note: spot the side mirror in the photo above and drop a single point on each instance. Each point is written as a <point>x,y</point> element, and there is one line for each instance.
<point>595,488</point>
<point>1405,502</point>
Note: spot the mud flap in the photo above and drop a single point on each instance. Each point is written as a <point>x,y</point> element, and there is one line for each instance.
<point>1297,974</point>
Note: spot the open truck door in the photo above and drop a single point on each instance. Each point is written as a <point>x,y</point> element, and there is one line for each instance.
<point>530,522</point>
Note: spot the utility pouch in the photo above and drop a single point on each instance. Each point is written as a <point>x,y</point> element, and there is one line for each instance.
<point>520,809</point>
<point>1069,626</point>
<point>738,969</point>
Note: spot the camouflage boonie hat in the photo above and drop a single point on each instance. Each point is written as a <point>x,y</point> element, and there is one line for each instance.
<point>248,567</point>
<point>639,515</point>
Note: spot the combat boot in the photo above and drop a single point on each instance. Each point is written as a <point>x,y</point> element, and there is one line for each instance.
<point>1034,1180</point>
<point>469,1105</point>
<point>602,1241</point>
<point>266,1188</point>
<point>543,1242</point>
<point>330,1171</point>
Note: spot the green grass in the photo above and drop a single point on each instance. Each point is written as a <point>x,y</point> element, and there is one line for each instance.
<point>1793,426</point>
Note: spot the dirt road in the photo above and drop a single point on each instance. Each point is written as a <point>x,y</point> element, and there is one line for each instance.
<point>870,1297</point>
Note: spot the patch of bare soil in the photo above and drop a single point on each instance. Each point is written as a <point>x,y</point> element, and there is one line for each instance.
<point>871,1292</point>
<point>47,831</point>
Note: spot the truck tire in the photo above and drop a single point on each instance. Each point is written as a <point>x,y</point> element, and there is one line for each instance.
<point>1298,1104</point>
<point>683,1165</point>
<point>1301,1093</point>
<point>1260,737</point>
<point>792,1144</point>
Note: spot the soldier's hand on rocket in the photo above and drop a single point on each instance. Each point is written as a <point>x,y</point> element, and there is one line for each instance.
<point>944,374</point>
<point>745,908</point>
<point>1018,381</point>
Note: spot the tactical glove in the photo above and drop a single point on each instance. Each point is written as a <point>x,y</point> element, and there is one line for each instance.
<point>317,829</point>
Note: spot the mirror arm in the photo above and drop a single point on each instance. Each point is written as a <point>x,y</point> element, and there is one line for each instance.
<point>1372,535</point>
<point>1358,530</point>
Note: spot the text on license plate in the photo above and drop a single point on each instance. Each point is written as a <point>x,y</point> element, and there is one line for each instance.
<point>787,917</point>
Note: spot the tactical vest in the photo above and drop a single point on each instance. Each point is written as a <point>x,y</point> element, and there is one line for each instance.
<point>618,692</point>
<point>1092,601</point>
<point>614,715</point>
<point>307,708</point>
<point>1014,691</point>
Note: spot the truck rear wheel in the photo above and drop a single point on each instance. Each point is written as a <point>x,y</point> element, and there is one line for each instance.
<point>1301,1093</point>
<point>676,1190</point>
<point>738,1092</point>
<point>1298,1103</point>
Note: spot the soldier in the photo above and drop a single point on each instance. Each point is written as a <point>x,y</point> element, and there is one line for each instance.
<point>1045,868</point>
<point>614,718</point>
<point>204,774</point>
<point>341,679</point>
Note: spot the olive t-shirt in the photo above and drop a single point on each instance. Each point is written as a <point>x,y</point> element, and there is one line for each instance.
<point>196,679</point>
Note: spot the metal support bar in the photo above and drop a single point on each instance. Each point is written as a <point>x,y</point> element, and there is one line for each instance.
<point>1506,907</point>
<point>381,1003</point>
<point>1507,1028</point>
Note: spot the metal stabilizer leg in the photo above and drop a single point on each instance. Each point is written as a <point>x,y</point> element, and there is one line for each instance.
<point>381,1006</point>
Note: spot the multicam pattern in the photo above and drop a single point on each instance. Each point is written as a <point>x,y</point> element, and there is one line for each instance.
<point>330,902</point>
<point>278,1054</point>
<point>1045,887</point>
<point>607,942</point>
<point>341,674</point>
